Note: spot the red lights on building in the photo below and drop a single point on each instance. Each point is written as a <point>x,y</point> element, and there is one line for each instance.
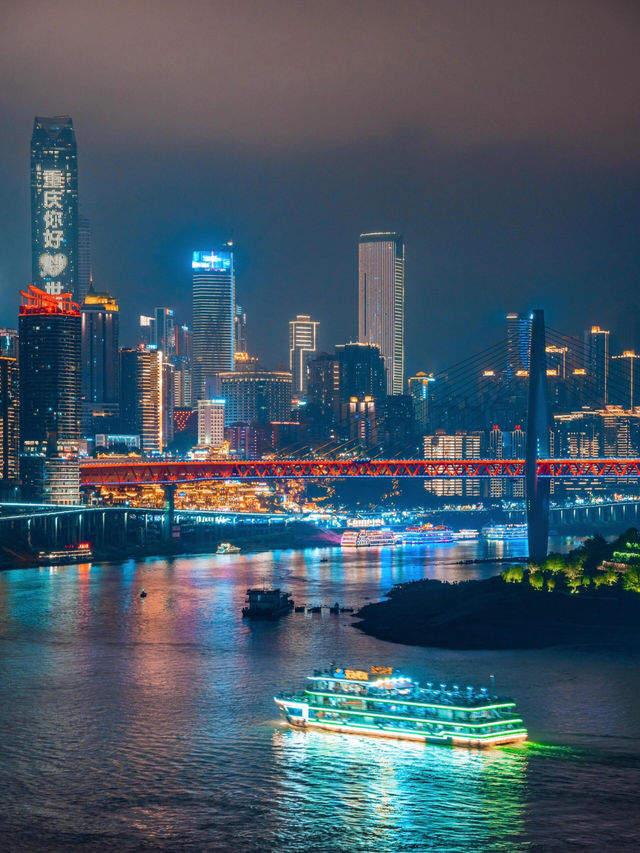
<point>37,301</point>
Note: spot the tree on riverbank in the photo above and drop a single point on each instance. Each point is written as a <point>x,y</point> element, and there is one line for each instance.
<point>594,564</point>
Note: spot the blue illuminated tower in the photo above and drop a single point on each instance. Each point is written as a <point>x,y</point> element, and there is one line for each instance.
<point>214,299</point>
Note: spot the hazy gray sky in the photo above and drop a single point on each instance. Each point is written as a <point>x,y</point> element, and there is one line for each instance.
<point>502,138</point>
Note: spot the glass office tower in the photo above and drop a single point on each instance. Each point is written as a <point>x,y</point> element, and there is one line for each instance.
<point>381,301</point>
<point>54,206</point>
<point>302,346</point>
<point>213,316</point>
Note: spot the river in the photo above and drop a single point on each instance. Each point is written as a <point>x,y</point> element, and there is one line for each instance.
<point>149,724</point>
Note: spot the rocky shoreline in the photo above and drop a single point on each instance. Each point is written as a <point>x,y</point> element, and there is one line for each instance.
<point>493,614</point>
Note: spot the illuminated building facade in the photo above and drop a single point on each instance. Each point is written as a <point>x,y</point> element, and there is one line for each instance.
<point>458,446</point>
<point>213,316</point>
<point>9,343</point>
<point>381,302</point>
<point>85,269</point>
<point>9,422</point>
<point>54,205</point>
<point>419,387</point>
<point>302,345</point>
<point>361,371</point>
<point>163,334</point>
<point>518,343</point>
<point>100,374</point>
<point>141,397</point>
<point>50,395</point>
<point>361,417</point>
<point>259,396</point>
<point>625,375</point>
<point>597,362</point>
<point>240,330</point>
<point>211,423</point>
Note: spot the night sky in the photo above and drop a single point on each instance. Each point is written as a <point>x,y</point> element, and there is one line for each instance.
<point>501,138</point>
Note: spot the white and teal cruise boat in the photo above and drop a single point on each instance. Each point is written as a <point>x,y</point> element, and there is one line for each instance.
<point>382,702</point>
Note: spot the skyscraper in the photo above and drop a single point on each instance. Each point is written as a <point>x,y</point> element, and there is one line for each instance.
<point>9,422</point>
<point>240,330</point>
<point>211,423</point>
<point>361,372</point>
<point>302,345</point>
<point>85,269</point>
<point>163,333</point>
<point>50,390</point>
<point>141,396</point>
<point>381,301</point>
<point>100,374</point>
<point>54,205</point>
<point>213,316</point>
<point>518,343</point>
<point>597,362</point>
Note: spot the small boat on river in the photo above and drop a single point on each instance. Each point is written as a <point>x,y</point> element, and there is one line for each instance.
<point>267,604</point>
<point>227,548</point>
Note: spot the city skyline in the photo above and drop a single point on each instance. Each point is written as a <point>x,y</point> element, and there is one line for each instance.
<point>494,199</point>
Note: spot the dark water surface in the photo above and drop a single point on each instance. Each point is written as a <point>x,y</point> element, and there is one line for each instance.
<point>130,724</point>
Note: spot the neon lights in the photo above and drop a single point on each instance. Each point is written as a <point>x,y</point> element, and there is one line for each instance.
<point>469,708</point>
<point>435,722</point>
<point>131,473</point>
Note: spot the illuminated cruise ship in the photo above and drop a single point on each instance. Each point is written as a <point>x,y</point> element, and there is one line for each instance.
<point>382,702</point>
<point>505,531</point>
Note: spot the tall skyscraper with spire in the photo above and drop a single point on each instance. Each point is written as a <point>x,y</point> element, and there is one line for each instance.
<point>54,205</point>
<point>381,301</point>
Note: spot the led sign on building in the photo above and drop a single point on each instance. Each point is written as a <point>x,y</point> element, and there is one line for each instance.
<point>54,205</point>
<point>219,261</point>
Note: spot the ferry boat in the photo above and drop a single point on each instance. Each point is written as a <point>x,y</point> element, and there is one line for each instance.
<point>426,534</point>
<point>505,531</point>
<point>81,553</point>
<point>227,548</point>
<point>267,604</point>
<point>465,533</point>
<point>383,702</point>
<point>368,538</point>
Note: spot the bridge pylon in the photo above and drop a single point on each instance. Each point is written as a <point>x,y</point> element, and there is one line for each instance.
<point>537,445</point>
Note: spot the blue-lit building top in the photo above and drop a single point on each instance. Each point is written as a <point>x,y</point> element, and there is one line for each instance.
<point>210,261</point>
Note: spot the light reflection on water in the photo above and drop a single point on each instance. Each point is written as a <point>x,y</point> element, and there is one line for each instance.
<point>150,723</point>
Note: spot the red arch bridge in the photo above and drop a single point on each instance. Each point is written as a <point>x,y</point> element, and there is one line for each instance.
<point>138,473</point>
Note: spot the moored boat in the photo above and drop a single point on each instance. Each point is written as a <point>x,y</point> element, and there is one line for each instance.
<point>81,553</point>
<point>382,702</point>
<point>227,548</point>
<point>267,604</point>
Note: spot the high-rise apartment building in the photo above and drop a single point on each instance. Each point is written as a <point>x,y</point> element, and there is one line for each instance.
<point>302,346</point>
<point>597,362</point>
<point>141,397</point>
<point>259,396</point>
<point>624,385</point>
<point>9,422</point>
<point>419,390</point>
<point>50,393</point>
<point>54,206</point>
<point>163,331</point>
<point>211,423</point>
<point>85,268</point>
<point>361,372</point>
<point>240,330</point>
<point>213,316</point>
<point>458,446</point>
<point>381,302</point>
<point>100,371</point>
<point>518,343</point>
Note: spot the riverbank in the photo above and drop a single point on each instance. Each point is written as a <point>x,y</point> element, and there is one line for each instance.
<point>493,614</point>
